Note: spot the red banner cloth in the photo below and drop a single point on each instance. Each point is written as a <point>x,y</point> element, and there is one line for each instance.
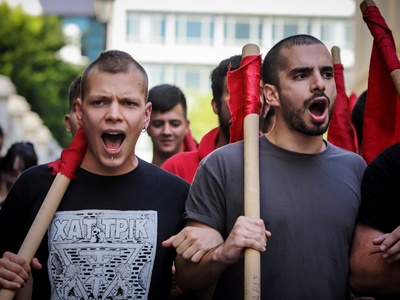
<point>71,158</point>
<point>244,90</point>
<point>382,109</point>
<point>341,131</point>
<point>189,143</point>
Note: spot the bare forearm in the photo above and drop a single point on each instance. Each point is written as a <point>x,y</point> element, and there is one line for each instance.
<point>198,276</point>
<point>370,273</point>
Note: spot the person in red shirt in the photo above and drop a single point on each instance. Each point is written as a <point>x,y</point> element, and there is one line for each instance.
<point>184,164</point>
<point>169,126</point>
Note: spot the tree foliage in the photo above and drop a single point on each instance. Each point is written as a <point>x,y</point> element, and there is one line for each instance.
<point>29,48</point>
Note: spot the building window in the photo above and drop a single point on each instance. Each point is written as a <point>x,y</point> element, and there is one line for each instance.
<point>336,32</point>
<point>242,30</point>
<point>284,27</point>
<point>194,78</point>
<point>145,28</point>
<point>156,74</point>
<point>194,30</point>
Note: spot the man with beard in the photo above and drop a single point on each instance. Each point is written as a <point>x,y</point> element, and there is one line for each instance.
<point>185,164</point>
<point>309,193</point>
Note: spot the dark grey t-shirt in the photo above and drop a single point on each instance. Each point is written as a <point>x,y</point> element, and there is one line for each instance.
<point>308,201</point>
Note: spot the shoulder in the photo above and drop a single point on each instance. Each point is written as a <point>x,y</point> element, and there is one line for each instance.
<point>180,159</point>
<point>385,165</point>
<point>158,174</point>
<point>37,173</point>
<point>389,156</point>
<point>345,155</point>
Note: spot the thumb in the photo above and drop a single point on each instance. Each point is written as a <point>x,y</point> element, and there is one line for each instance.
<point>36,264</point>
<point>168,243</point>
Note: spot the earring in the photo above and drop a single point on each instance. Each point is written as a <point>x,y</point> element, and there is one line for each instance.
<point>144,129</point>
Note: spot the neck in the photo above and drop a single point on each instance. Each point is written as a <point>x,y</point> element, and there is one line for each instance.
<point>222,140</point>
<point>296,142</point>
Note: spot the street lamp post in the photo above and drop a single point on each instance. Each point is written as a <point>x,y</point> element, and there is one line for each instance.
<point>104,9</point>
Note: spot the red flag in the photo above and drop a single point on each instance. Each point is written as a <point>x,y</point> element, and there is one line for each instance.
<point>71,158</point>
<point>382,109</point>
<point>341,131</point>
<point>244,90</point>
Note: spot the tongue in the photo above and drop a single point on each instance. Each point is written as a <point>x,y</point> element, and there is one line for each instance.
<point>316,116</point>
<point>112,141</point>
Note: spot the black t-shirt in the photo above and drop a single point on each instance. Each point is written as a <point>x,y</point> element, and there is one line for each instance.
<point>105,239</point>
<point>380,190</point>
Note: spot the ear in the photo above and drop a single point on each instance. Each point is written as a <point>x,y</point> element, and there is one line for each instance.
<point>214,106</point>
<point>147,114</point>
<point>67,121</point>
<point>271,95</point>
<point>79,111</point>
<point>265,109</point>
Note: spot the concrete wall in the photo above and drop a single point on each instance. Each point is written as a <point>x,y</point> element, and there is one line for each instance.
<point>20,124</point>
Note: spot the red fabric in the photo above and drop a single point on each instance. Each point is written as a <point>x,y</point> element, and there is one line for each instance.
<point>352,100</point>
<point>244,90</point>
<point>341,131</point>
<point>382,109</point>
<point>185,164</point>
<point>71,158</point>
<point>189,143</point>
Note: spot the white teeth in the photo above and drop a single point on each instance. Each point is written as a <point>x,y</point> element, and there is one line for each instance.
<point>112,157</point>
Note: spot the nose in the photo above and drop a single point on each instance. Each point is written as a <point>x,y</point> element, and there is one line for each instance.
<point>318,83</point>
<point>114,111</point>
<point>166,130</point>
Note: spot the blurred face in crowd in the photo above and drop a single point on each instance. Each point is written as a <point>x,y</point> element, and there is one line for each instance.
<point>167,130</point>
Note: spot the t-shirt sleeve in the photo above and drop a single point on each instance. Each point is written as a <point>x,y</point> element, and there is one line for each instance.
<point>379,193</point>
<point>206,201</point>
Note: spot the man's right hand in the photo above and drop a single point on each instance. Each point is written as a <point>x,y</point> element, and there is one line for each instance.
<point>15,270</point>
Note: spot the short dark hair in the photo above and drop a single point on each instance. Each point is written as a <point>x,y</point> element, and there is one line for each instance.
<point>25,151</point>
<point>274,61</point>
<point>218,75</point>
<point>357,116</point>
<point>114,61</point>
<point>165,97</point>
<point>74,91</point>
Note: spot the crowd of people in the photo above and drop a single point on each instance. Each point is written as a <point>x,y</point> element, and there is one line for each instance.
<point>176,228</point>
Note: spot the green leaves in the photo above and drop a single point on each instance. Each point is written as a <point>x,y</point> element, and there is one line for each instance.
<point>28,55</point>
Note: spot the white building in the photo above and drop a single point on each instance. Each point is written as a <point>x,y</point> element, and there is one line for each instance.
<point>181,41</point>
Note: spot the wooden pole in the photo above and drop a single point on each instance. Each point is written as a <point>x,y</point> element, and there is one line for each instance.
<point>70,160</point>
<point>336,55</point>
<point>40,224</point>
<point>251,132</point>
<point>395,74</point>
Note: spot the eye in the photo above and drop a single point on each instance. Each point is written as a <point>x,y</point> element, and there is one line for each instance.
<point>300,76</point>
<point>328,75</point>
<point>130,103</point>
<point>157,124</point>
<point>176,123</point>
<point>97,102</point>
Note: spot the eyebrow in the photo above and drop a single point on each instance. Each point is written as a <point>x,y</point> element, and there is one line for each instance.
<point>310,69</point>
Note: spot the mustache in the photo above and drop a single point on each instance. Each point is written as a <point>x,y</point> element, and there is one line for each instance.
<point>315,96</point>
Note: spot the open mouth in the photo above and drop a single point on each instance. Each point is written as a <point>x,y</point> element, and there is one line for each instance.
<point>113,140</point>
<point>318,107</point>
